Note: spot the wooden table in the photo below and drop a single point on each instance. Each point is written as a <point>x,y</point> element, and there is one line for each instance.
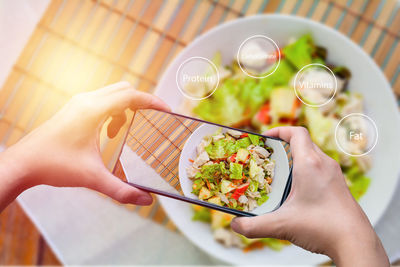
<point>20,241</point>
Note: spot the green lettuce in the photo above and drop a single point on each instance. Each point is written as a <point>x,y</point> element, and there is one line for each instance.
<point>236,170</point>
<point>299,53</point>
<point>264,197</point>
<point>320,127</point>
<point>220,149</point>
<point>359,183</point>
<point>224,148</point>
<point>255,139</point>
<point>199,183</point>
<point>202,214</point>
<point>209,172</point>
<point>274,244</point>
<point>253,187</point>
<point>359,186</point>
<point>242,143</point>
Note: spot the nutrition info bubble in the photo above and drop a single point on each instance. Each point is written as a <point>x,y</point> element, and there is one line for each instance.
<point>315,85</point>
<point>258,56</point>
<point>197,78</point>
<point>356,134</point>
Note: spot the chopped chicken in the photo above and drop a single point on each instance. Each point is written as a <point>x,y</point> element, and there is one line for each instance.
<point>255,194</point>
<point>218,137</point>
<point>258,160</point>
<point>202,145</point>
<point>243,199</point>
<point>354,105</point>
<point>253,55</point>
<point>269,167</point>
<point>268,188</point>
<point>250,147</point>
<point>345,160</point>
<point>223,198</point>
<point>329,107</point>
<point>227,238</point>
<point>262,152</point>
<point>201,159</point>
<point>192,171</point>
<point>252,203</point>
<point>261,184</point>
<point>364,162</point>
<point>234,133</point>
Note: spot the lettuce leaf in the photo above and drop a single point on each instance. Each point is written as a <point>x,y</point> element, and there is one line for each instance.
<point>299,53</point>
<point>359,186</point>
<point>236,170</point>
<point>281,77</point>
<point>253,187</point>
<point>224,106</point>
<point>359,183</point>
<point>320,127</point>
<point>255,139</point>
<point>201,214</point>
<point>220,149</point>
<point>272,243</point>
<point>242,143</point>
<point>264,197</point>
<point>254,169</point>
<point>210,172</point>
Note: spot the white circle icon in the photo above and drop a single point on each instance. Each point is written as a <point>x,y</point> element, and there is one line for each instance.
<point>258,56</point>
<point>315,85</point>
<point>356,134</point>
<point>197,78</point>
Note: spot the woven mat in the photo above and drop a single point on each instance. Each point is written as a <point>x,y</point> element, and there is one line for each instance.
<point>82,45</point>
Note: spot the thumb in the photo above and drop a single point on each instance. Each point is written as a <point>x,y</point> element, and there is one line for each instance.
<point>120,191</point>
<point>267,225</point>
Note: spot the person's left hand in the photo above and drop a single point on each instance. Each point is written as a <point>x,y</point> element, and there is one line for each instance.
<point>64,151</point>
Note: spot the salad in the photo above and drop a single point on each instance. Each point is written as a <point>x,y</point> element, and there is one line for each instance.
<point>220,224</point>
<point>260,104</point>
<point>232,169</point>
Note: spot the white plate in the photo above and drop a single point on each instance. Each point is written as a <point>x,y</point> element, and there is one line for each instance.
<point>367,79</point>
<point>282,167</point>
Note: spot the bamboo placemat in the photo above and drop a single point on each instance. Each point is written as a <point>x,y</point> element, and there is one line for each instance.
<point>82,45</point>
<point>158,138</point>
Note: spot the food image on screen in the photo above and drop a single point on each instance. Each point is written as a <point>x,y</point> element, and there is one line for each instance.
<point>232,169</point>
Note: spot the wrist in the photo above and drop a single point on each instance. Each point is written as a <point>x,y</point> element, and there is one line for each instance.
<point>15,171</point>
<point>359,247</point>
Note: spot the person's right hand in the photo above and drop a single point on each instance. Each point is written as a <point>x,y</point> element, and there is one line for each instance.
<point>319,214</point>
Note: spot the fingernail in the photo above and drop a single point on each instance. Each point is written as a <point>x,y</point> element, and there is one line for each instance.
<point>144,200</point>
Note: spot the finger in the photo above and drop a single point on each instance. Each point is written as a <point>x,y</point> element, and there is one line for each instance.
<point>112,88</point>
<point>298,138</point>
<point>120,191</point>
<point>267,225</point>
<point>133,99</point>
<point>117,121</point>
<point>318,150</point>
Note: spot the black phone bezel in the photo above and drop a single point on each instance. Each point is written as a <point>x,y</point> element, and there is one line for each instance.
<point>200,202</point>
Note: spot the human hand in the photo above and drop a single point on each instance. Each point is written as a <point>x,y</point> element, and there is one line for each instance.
<point>320,214</point>
<point>64,151</point>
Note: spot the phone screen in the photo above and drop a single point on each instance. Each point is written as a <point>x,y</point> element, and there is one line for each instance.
<point>230,170</point>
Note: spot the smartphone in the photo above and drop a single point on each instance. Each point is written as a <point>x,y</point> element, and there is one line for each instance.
<point>218,167</point>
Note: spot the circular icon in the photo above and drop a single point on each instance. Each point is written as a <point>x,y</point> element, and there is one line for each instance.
<point>258,56</point>
<point>315,85</point>
<point>356,134</point>
<point>197,78</point>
